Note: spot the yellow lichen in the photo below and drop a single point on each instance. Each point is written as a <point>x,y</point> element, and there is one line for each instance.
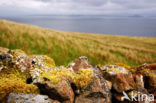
<point>152,75</point>
<point>11,80</point>
<point>17,52</point>
<point>3,50</point>
<point>144,71</point>
<point>56,75</point>
<point>123,65</point>
<point>44,60</point>
<point>48,60</point>
<point>15,72</point>
<point>83,78</point>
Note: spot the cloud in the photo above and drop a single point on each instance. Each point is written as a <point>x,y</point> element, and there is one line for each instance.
<point>84,7</point>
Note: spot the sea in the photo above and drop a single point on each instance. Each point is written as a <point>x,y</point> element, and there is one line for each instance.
<point>127,26</point>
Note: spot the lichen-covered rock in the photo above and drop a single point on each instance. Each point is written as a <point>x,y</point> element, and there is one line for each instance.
<point>83,78</point>
<point>29,98</point>
<point>14,73</point>
<point>14,82</point>
<point>15,59</point>
<point>120,77</point>
<point>41,63</point>
<point>109,84</point>
<point>149,76</point>
<point>97,90</point>
<point>27,76</point>
<point>61,91</point>
<point>15,70</point>
<point>151,66</point>
<point>150,82</point>
<point>58,82</point>
<point>80,63</point>
<point>20,60</point>
<point>139,80</point>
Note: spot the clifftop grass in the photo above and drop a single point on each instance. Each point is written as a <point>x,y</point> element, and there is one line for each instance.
<point>64,47</point>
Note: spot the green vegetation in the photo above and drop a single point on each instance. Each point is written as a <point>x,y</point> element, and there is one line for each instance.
<point>64,47</point>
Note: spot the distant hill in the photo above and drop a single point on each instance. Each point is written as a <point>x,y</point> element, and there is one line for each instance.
<point>64,47</point>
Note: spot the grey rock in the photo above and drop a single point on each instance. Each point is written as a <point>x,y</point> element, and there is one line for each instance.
<point>28,98</point>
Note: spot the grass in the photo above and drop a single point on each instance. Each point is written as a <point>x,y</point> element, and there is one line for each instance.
<point>64,47</point>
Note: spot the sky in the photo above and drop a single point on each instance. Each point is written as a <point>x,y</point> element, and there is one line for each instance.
<point>78,7</point>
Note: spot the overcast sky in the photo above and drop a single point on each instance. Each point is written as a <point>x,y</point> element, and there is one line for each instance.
<point>77,7</point>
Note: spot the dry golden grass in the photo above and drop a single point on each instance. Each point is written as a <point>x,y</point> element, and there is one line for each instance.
<point>66,46</point>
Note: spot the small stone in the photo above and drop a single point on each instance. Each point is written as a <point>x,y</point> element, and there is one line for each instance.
<point>28,98</point>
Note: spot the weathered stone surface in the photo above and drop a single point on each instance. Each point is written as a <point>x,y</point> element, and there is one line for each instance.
<point>3,50</point>
<point>97,91</point>
<point>150,82</point>
<point>123,82</point>
<point>29,98</point>
<point>61,91</point>
<point>80,63</point>
<point>139,80</point>
<point>151,66</point>
<point>15,59</point>
<point>121,78</point>
<point>14,71</point>
<point>109,84</point>
<point>40,63</point>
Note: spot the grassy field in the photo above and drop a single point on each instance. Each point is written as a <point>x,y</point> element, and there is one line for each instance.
<point>64,47</point>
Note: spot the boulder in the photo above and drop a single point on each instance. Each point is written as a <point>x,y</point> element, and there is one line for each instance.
<point>14,71</point>
<point>109,84</point>
<point>149,77</point>
<point>151,66</point>
<point>29,98</point>
<point>61,91</point>
<point>121,78</point>
<point>3,50</point>
<point>139,80</point>
<point>150,82</point>
<point>80,63</point>
<point>15,59</point>
<point>40,63</point>
<point>95,92</point>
